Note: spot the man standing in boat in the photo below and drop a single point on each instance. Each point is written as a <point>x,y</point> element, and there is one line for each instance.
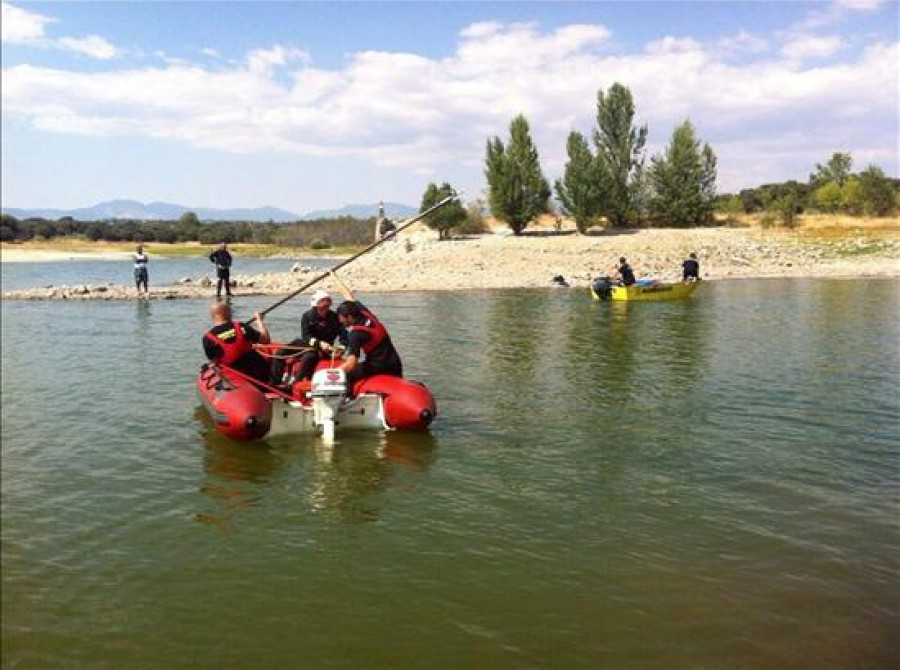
<point>365,335</point>
<point>690,269</point>
<point>231,343</point>
<point>222,258</point>
<point>625,272</point>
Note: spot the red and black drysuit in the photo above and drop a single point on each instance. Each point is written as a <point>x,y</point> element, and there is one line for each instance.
<point>372,339</point>
<point>231,344</point>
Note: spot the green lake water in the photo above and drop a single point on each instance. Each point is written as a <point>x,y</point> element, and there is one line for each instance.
<point>710,483</point>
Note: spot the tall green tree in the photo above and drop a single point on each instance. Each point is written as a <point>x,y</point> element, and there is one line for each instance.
<point>620,154</point>
<point>837,169</point>
<point>580,189</point>
<point>447,217</point>
<point>683,180</point>
<point>517,189</point>
<point>876,192</point>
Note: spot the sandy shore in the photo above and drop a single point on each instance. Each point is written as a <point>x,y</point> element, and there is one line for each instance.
<point>418,262</point>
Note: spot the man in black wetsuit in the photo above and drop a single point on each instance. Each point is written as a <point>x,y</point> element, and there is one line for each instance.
<point>690,269</point>
<point>365,335</point>
<point>231,343</point>
<point>222,258</point>
<point>319,328</point>
<point>625,272</point>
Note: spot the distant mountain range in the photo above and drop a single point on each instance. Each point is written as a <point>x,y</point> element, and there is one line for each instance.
<point>155,211</point>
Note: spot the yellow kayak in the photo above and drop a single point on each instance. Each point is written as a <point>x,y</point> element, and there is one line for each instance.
<point>648,291</point>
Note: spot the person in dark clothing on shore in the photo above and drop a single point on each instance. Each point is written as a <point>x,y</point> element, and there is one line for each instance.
<point>365,335</point>
<point>690,269</point>
<point>625,272</point>
<point>231,343</point>
<point>222,258</point>
<point>319,328</point>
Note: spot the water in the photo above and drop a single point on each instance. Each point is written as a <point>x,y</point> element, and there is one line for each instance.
<point>704,484</point>
<point>16,276</point>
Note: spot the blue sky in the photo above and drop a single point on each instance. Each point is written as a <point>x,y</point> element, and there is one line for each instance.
<point>311,105</point>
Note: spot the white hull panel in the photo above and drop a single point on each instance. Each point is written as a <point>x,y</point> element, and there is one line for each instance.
<point>365,412</point>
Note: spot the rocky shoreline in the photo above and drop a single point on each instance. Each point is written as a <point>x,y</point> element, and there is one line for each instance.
<point>418,262</point>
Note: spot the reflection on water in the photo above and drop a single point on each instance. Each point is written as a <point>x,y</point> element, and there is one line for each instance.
<point>343,481</point>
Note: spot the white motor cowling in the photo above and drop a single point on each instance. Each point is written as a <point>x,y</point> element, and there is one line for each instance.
<point>328,390</point>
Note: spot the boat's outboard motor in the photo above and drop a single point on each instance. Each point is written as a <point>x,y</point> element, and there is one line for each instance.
<point>328,390</point>
<point>602,288</point>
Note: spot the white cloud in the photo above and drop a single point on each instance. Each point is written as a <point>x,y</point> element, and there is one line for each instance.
<point>95,47</point>
<point>743,42</point>
<point>418,113</point>
<point>860,5</point>
<point>811,46</point>
<point>19,26</point>
<point>27,28</point>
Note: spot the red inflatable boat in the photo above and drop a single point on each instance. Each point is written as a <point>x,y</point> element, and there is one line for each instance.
<point>244,409</point>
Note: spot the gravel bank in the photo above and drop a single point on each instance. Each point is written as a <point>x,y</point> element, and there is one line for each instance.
<point>418,262</point>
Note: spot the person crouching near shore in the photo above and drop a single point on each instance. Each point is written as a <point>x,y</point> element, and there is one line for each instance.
<point>231,343</point>
<point>690,268</point>
<point>141,276</point>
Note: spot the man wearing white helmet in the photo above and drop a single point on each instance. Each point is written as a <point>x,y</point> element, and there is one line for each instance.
<point>319,327</point>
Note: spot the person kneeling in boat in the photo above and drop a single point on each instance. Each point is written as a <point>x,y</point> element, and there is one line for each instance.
<point>319,328</point>
<point>365,335</point>
<point>625,273</point>
<point>690,269</point>
<point>231,343</point>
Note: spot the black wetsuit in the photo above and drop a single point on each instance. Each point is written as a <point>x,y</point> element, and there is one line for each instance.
<point>222,259</point>
<point>627,274</point>
<point>690,269</point>
<point>251,363</point>
<point>314,328</point>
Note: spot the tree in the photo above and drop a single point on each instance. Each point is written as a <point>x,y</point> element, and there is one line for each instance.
<point>580,189</point>
<point>683,180</point>
<point>876,192</point>
<point>447,217</point>
<point>827,198</point>
<point>837,169</point>
<point>517,189</point>
<point>189,219</point>
<point>851,196</point>
<point>620,153</point>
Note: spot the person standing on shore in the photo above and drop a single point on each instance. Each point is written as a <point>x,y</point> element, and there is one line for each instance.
<point>141,276</point>
<point>625,273</point>
<point>222,258</point>
<point>690,269</point>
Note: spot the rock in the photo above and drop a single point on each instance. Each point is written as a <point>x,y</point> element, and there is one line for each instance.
<point>101,289</point>
<point>206,281</point>
<point>81,290</point>
<point>185,280</point>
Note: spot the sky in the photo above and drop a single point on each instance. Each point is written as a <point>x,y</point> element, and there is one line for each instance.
<point>306,105</point>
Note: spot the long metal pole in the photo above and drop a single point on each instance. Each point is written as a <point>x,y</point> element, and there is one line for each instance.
<point>369,248</point>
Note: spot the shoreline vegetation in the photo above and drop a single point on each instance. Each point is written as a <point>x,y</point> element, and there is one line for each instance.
<point>818,246</point>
